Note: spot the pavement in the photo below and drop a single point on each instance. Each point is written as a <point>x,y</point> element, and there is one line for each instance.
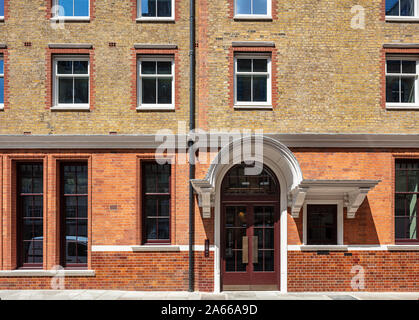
<point>227,295</point>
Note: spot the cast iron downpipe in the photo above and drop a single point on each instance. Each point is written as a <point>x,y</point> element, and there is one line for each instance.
<point>190,142</point>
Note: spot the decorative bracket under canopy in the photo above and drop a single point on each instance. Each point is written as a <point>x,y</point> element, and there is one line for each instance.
<point>352,192</point>
<point>206,195</point>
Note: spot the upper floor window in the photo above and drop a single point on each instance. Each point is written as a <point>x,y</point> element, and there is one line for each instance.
<point>402,9</point>
<point>30,215</point>
<point>402,82</point>
<point>252,81</point>
<point>1,9</point>
<point>406,202</point>
<point>155,9</point>
<point>253,8</point>
<point>1,82</point>
<point>156,202</point>
<point>71,8</point>
<point>71,82</point>
<point>156,82</point>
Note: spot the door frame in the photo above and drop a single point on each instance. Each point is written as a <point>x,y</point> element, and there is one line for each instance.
<point>283,211</point>
<point>267,283</point>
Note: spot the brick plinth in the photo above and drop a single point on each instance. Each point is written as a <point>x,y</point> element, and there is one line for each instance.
<point>141,271</point>
<point>383,270</point>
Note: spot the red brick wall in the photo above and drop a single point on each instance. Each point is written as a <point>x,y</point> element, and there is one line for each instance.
<point>383,270</point>
<point>146,271</point>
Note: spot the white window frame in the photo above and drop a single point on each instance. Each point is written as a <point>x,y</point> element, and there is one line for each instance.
<point>141,18</point>
<point>2,76</point>
<point>69,106</point>
<point>268,14</point>
<point>155,106</point>
<point>56,16</point>
<point>415,17</point>
<point>251,104</point>
<point>403,105</point>
<point>339,217</point>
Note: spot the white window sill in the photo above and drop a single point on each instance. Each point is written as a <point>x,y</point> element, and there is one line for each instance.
<point>155,19</point>
<point>324,248</point>
<point>252,17</point>
<point>1,107</point>
<point>403,247</point>
<point>402,19</point>
<point>255,106</point>
<point>47,273</point>
<point>2,19</point>
<point>71,19</point>
<point>71,108</point>
<point>156,248</point>
<point>398,106</point>
<point>156,108</point>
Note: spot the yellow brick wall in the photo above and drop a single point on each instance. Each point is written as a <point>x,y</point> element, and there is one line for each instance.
<point>328,73</point>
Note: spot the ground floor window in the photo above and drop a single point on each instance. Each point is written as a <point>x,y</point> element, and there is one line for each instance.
<point>30,214</point>
<point>74,214</point>
<point>321,224</point>
<point>406,200</point>
<point>156,202</point>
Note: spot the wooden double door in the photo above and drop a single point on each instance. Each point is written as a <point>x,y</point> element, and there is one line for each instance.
<point>250,245</point>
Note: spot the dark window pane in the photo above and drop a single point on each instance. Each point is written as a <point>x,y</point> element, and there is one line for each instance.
<point>148,8</point>
<point>163,229</point>
<point>69,179</point>
<point>407,7</point>
<point>32,229</point>
<point>392,7</point>
<point>165,91</point>
<point>244,88</point>
<point>400,205</point>
<point>65,90</point>
<point>82,229</point>
<point>81,175</point>
<point>71,227</point>
<point>148,67</point>
<point>401,181</point>
<point>164,67</point>
<point>65,67</point>
<point>269,260</point>
<point>412,176</point>
<point>409,66</point>
<point>81,67</point>
<point>164,205</point>
<point>244,65</point>
<point>81,90</point>
<point>71,207</point>
<point>408,90</point>
<point>150,172</point>
<point>151,207</point>
<point>82,207</point>
<point>151,228</point>
<point>392,89</point>
<point>164,8</point>
<point>260,88</point>
<point>243,6</point>
<point>260,65</point>
<point>321,224</point>
<point>149,90</point>
<point>260,7</point>
<point>163,178</point>
<point>393,66</point>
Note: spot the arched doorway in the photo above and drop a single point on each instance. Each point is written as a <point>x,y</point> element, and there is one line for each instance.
<point>250,230</point>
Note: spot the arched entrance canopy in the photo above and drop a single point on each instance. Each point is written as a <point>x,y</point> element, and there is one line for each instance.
<point>274,154</point>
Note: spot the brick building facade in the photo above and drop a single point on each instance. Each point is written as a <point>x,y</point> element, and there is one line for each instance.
<point>88,87</point>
